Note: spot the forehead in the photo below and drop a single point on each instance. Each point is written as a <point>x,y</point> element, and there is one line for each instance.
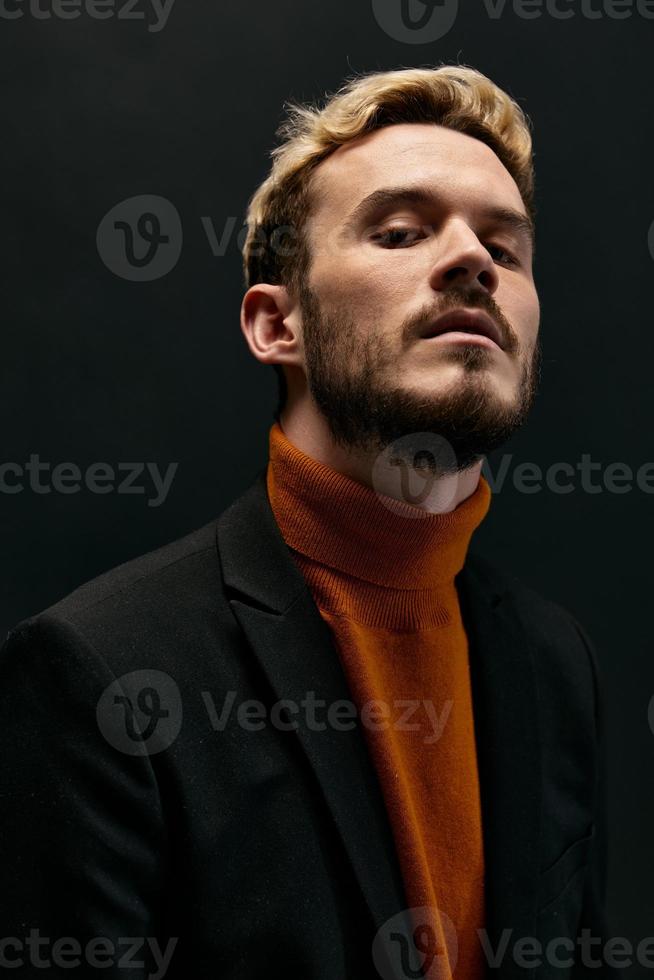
<point>458,167</point>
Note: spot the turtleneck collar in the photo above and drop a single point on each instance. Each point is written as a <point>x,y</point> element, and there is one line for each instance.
<point>338,522</point>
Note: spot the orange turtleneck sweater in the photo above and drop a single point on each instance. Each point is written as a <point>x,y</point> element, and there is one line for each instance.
<point>382,578</point>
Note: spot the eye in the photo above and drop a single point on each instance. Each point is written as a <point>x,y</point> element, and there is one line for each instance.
<point>504,256</point>
<point>397,237</point>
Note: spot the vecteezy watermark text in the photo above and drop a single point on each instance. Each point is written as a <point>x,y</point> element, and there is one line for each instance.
<point>423,942</point>
<point>141,713</point>
<point>402,714</point>
<point>93,9</point>
<point>100,952</point>
<point>68,478</point>
<point>425,21</point>
<point>586,474</point>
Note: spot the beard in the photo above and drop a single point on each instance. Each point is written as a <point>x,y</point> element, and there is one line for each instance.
<point>350,377</point>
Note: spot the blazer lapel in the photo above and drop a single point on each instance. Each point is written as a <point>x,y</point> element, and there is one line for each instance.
<point>508,751</point>
<point>294,646</point>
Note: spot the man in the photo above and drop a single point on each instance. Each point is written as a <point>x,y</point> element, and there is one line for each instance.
<point>318,738</point>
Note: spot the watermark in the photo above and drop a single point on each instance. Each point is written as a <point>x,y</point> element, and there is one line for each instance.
<point>99,952</point>
<point>585,475</point>
<point>404,473</point>
<point>418,469</point>
<point>140,713</point>
<point>426,21</point>
<point>100,478</point>
<point>417,942</point>
<point>416,21</point>
<point>650,714</point>
<point>140,238</point>
<point>342,715</point>
<point>563,952</point>
<point>154,12</point>
<point>423,942</point>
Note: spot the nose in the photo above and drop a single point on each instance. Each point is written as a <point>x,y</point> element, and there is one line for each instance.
<point>462,260</point>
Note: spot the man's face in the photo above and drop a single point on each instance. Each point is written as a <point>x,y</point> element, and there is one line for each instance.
<point>383,270</point>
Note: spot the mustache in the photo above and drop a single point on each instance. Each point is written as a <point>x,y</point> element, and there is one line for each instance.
<point>453,299</point>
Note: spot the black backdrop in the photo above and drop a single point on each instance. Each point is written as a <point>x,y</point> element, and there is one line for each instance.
<point>99,368</point>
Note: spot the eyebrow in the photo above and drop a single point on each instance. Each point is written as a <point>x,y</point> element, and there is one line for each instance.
<point>384,197</point>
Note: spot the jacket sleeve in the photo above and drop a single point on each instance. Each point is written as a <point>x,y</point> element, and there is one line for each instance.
<point>81,830</point>
<point>594,918</point>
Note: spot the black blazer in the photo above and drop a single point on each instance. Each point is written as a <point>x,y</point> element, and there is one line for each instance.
<point>142,811</point>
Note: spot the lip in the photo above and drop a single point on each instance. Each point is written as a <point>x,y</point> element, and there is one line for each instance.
<point>461,337</point>
<point>465,325</point>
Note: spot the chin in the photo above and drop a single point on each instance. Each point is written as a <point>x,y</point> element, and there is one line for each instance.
<point>451,384</point>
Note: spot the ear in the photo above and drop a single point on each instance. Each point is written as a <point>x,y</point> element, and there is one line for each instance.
<point>271,324</point>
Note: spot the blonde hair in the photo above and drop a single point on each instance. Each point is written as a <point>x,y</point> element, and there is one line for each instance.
<point>454,96</point>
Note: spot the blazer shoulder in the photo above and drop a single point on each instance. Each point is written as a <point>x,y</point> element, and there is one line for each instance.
<point>564,656</point>
<point>542,617</point>
<point>140,588</point>
<point>162,607</point>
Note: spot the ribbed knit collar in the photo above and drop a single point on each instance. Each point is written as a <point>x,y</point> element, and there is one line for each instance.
<point>346,525</point>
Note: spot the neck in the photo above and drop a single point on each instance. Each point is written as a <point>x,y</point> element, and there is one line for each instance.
<point>308,430</point>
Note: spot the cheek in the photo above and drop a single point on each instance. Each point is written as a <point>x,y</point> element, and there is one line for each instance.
<point>361,291</point>
<point>521,307</point>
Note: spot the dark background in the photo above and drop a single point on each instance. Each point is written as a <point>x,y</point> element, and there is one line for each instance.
<point>97,368</point>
